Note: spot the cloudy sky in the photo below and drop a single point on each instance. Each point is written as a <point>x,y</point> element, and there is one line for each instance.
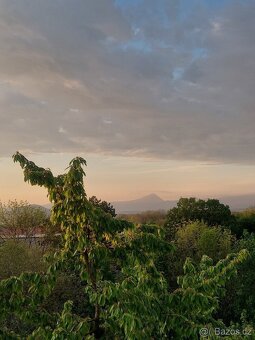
<point>158,96</point>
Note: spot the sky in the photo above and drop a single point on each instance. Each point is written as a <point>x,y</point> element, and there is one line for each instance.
<point>157,96</point>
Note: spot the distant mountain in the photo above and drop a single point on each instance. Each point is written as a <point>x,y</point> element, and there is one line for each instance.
<point>149,202</point>
<point>154,202</point>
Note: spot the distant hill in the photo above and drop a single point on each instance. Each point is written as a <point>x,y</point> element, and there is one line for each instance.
<point>149,202</point>
<point>43,208</point>
<point>154,202</point>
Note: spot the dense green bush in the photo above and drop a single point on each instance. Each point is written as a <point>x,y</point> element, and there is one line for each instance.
<point>240,297</point>
<point>194,240</point>
<point>17,257</point>
<point>244,220</point>
<point>68,287</point>
<point>197,239</point>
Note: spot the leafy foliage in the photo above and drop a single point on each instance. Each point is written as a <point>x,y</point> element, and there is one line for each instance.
<point>240,296</point>
<point>128,296</point>
<point>105,206</point>
<point>211,211</point>
<point>195,240</point>
<point>244,220</point>
<point>201,285</point>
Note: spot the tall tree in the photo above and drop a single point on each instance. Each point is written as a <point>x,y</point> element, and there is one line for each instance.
<point>210,211</point>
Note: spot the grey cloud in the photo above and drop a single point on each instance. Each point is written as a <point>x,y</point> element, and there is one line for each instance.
<point>69,84</point>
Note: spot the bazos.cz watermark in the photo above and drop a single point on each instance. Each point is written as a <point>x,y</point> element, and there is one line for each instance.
<point>205,332</point>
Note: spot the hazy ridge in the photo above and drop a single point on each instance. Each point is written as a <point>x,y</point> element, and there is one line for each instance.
<point>154,202</point>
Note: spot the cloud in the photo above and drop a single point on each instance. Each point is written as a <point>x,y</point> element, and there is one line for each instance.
<point>156,79</point>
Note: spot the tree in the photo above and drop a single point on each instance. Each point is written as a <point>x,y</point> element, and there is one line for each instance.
<point>195,240</point>
<point>21,218</point>
<point>240,296</point>
<point>244,220</point>
<point>105,206</point>
<point>211,211</point>
<point>128,295</point>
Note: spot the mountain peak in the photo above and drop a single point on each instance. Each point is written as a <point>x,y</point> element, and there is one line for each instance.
<point>152,197</point>
<point>149,202</point>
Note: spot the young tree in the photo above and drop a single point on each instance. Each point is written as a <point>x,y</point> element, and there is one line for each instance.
<point>128,295</point>
<point>21,218</point>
